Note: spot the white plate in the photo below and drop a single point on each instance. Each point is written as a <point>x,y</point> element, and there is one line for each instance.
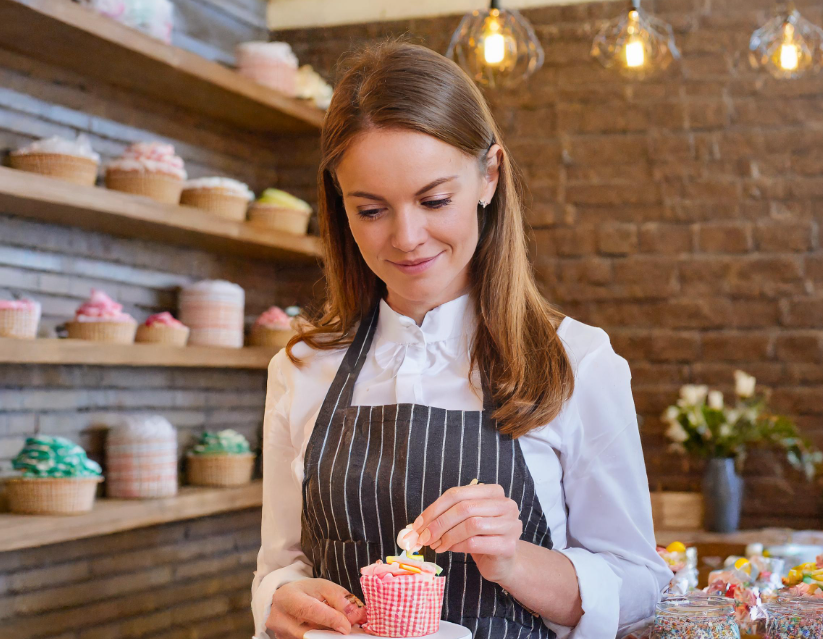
<point>447,631</point>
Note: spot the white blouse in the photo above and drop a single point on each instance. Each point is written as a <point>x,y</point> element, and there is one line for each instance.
<point>587,464</point>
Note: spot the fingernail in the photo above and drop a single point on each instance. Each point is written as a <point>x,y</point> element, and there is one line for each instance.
<point>425,536</point>
<point>436,544</point>
<point>342,630</point>
<point>418,523</point>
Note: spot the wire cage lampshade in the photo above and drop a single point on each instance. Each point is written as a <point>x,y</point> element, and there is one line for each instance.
<point>497,48</point>
<point>636,44</point>
<point>788,46</point>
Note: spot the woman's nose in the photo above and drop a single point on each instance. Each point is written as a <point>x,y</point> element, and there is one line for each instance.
<point>409,230</point>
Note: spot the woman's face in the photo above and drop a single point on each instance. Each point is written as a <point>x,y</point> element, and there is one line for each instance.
<point>411,201</point>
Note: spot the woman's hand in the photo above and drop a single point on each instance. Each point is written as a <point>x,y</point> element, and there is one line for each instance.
<point>477,519</point>
<point>309,604</point>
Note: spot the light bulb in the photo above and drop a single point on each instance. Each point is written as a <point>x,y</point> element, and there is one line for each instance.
<point>635,54</point>
<point>494,48</point>
<point>789,58</point>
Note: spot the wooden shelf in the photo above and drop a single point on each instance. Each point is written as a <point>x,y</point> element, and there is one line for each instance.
<point>116,515</point>
<point>98,209</point>
<point>71,36</point>
<point>75,351</point>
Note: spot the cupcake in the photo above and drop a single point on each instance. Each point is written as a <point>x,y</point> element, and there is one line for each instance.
<point>281,211</point>
<point>222,196</point>
<point>148,168</point>
<point>141,458</point>
<point>101,319</point>
<point>162,328</point>
<point>272,328</point>
<point>311,86</point>
<point>57,478</point>
<point>270,63</point>
<point>70,160</point>
<point>220,459</point>
<point>213,310</point>
<point>19,318</point>
<point>404,596</point>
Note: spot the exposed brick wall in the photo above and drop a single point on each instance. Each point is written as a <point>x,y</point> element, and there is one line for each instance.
<point>683,215</point>
<point>174,581</point>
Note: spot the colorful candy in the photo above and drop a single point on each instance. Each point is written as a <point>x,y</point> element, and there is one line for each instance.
<point>795,618</point>
<point>695,618</point>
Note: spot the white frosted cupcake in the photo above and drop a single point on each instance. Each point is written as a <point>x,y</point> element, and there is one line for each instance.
<point>150,169</point>
<point>273,328</point>
<point>281,211</point>
<point>270,63</point>
<point>141,458</point>
<point>101,319</point>
<point>70,160</point>
<point>214,312</point>
<point>218,195</point>
<point>19,318</point>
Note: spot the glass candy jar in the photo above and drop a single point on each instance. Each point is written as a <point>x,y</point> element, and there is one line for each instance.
<point>695,618</point>
<point>795,618</point>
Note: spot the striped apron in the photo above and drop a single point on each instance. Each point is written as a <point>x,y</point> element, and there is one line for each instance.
<point>371,470</point>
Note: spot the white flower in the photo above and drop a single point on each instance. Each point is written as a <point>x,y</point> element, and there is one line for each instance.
<point>677,433</point>
<point>716,400</point>
<point>743,384</point>
<point>725,430</point>
<point>671,414</point>
<point>693,394</point>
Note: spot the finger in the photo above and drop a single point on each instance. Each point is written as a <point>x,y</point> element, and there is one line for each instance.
<point>341,600</point>
<point>454,495</point>
<point>474,527</point>
<point>307,608</point>
<point>461,512</point>
<point>285,627</point>
<point>499,546</point>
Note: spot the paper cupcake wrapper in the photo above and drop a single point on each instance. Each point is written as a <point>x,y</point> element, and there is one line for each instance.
<point>158,186</point>
<point>279,219</point>
<point>48,496</point>
<point>271,73</point>
<point>168,335</point>
<point>109,332</point>
<point>70,168</point>
<point>141,469</point>
<point>19,322</point>
<point>231,207</point>
<point>219,470</point>
<point>404,606</point>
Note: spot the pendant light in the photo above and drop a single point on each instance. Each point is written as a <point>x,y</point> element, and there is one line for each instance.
<point>636,44</point>
<point>497,48</point>
<point>788,46</point>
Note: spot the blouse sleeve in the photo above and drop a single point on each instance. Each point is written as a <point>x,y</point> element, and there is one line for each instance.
<point>280,559</point>
<point>609,528</point>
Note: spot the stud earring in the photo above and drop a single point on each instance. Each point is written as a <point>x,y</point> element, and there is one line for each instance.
<point>482,203</point>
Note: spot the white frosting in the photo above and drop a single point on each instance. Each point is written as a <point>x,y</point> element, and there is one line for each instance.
<point>216,287</point>
<point>311,86</point>
<point>408,540</point>
<point>148,166</point>
<point>142,427</point>
<point>273,51</point>
<point>80,147</point>
<point>234,187</point>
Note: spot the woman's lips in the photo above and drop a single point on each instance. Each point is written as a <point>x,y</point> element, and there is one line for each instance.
<point>412,267</point>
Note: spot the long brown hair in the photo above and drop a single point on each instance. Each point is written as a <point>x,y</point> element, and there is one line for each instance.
<point>399,85</point>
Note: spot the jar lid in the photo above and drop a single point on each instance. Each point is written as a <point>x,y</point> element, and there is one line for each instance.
<point>705,607</point>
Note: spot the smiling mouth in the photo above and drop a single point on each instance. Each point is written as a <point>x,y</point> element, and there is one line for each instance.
<point>414,266</point>
<point>415,262</point>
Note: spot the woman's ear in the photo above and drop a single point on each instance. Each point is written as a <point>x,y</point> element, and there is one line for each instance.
<point>494,159</point>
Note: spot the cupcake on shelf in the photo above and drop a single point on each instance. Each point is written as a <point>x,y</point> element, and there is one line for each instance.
<point>273,328</point>
<point>19,318</point>
<point>281,211</point>
<point>70,160</point>
<point>57,478</point>
<point>148,168</point>
<point>311,86</point>
<point>270,63</point>
<point>214,312</point>
<point>101,319</point>
<point>162,328</point>
<point>220,459</point>
<point>221,196</point>
<point>141,458</point>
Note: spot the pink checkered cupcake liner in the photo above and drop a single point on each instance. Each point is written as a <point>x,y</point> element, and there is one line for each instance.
<point>403,606</point>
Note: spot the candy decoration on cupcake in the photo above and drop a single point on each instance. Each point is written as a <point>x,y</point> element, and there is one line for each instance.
<point>54,457</point>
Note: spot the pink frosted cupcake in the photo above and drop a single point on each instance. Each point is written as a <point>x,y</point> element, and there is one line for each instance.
<point>272,328</point>
<point>150,169</point>
<point>404,597</point>
<point>101,319</point>
<point>162,328</point>
<point>270,63</point>
<point>19,318</point>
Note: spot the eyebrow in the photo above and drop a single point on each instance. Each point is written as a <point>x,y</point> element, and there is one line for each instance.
<point>428,187</point>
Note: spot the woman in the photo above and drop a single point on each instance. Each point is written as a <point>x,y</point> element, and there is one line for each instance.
<point>437,362</point>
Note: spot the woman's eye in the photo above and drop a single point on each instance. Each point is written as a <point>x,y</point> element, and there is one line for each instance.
<point>437,204</point>
<point>369,214</point>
